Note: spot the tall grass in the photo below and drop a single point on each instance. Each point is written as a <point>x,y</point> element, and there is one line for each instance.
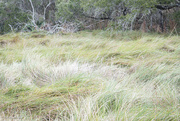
<point>89,76</point>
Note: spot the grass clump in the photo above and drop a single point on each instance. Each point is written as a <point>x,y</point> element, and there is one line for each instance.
<point>86,76</point>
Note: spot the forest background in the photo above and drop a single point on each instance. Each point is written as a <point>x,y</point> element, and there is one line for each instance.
<point>76,15</point>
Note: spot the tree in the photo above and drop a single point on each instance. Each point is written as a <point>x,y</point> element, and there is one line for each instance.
<point>116,14</point>
<point>11,17</point>
<point>18,14</point>
<point>123,13</point>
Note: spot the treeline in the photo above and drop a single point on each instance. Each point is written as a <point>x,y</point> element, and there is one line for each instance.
<point>75,15</point>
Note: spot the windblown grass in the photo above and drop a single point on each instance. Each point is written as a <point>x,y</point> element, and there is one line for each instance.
<point>106,76</point>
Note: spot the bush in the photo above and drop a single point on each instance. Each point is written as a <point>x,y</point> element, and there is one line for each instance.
<point>11,16</point>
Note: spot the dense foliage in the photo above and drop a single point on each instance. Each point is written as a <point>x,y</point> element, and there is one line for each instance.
<point>11,17</point>
<point>151,15</point>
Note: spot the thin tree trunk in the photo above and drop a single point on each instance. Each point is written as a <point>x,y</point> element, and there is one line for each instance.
<point>161,21</point>
<point>33,13</point>
<point>45,12</point>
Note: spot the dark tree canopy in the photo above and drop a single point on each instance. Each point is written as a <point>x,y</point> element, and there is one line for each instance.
<point>88,14</point>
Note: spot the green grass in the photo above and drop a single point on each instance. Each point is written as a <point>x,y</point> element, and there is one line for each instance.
<point>99,75</point>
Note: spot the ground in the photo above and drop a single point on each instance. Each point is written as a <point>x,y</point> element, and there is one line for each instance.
<point>98,75</point>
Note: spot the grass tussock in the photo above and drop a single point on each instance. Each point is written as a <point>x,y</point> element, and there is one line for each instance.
<point>104,76</point>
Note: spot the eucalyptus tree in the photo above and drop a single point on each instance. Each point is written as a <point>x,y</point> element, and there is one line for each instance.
<point>119,14</point>
<point>11,16</point>
<point>19,14</point>
<point>122,13</point>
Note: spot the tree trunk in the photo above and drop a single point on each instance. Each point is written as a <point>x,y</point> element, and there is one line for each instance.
<point>161,21</point>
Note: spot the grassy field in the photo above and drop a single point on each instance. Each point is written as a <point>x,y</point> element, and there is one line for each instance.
<point>89,76</point>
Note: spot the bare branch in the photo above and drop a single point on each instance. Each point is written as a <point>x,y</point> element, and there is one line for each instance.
<point>11,27</point>
<point>166,7</point>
